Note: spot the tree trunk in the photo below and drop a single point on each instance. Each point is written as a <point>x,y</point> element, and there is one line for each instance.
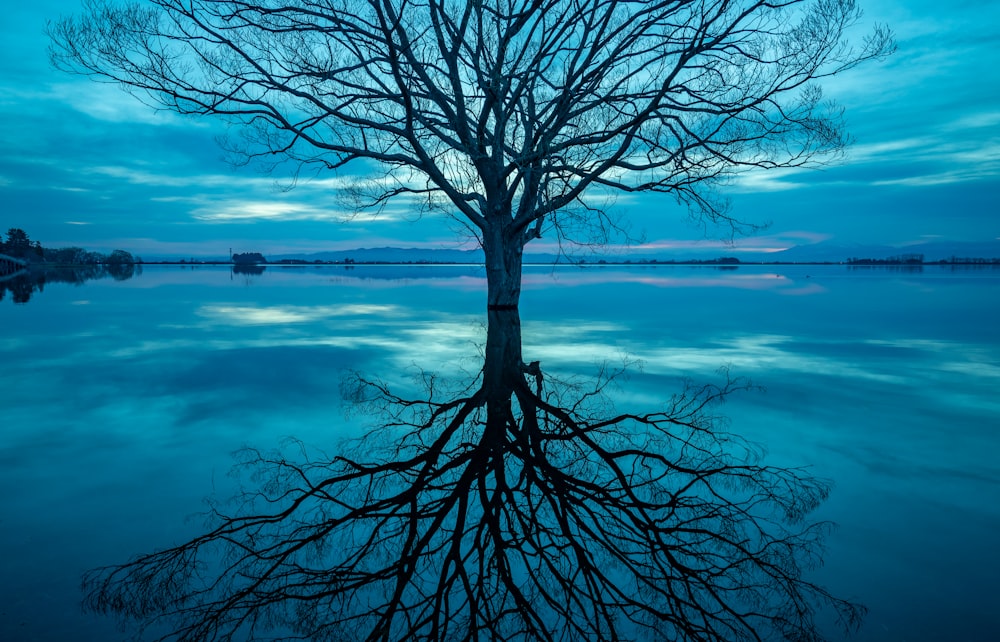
<point>503,268</point>
<point>502,372</point>
<point>502,362</point>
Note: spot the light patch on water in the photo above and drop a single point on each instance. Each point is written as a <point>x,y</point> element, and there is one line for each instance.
<point>280,315</point>
<point>755,353</point>
<point>648,276</point>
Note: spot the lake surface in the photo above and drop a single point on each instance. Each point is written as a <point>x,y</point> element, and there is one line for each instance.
<point>122,401</point>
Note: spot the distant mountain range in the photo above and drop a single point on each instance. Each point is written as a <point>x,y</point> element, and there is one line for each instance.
<point>817,252</point>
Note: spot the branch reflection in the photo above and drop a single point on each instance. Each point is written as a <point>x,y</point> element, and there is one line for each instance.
<point>506,506</point>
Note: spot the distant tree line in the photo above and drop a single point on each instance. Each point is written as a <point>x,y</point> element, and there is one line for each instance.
<point>248,258</point>
<point>47,265</point>
<point>902,259</point>
<point>19,245</point>
<point>960,260</point>
<point>918,259</point>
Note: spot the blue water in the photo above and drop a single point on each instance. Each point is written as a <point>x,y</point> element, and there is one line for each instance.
<point>121,403</point>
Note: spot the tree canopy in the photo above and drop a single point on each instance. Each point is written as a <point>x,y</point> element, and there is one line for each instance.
<point>250,258</point>
<point>18,243</point>
<point>518,117</point>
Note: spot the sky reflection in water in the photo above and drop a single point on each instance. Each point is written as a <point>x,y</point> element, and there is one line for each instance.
<point>122,402</point>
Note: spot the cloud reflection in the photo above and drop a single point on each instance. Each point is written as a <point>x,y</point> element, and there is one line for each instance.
<point>711,277</point>
<point>280,315</point>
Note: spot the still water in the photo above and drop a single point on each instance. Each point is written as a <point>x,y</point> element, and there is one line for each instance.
<point>123,400</point>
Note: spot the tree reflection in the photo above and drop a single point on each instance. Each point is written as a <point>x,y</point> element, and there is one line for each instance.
<point>24,284</point>
<point>506,506</point>
<point>250,269</point>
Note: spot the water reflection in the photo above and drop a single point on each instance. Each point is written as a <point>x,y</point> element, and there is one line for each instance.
<point>500,503</point>
<point>249,269</point>
<point>24,284</point>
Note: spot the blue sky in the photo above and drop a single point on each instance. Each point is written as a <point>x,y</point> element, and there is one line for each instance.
<point>83,163</point>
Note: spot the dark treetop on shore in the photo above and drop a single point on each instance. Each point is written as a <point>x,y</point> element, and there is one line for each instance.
<point>517,117</point>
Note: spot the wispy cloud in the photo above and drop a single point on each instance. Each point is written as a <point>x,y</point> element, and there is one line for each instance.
<point>168,178</point>
<point>887,150</point>
<point>215,210</point>
<point>109,103</point>
<point>947,161</point>
<point>212,196</point>
<point>247,211</point>
<point>963,150</point>
<point>987,119</point>
<point>930,180</point>
<point>771,180</point>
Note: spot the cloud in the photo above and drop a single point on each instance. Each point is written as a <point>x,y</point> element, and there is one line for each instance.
<point>247,210</point>
<point>981,120</point>
<point>966,160</point>
<point>262,198</point>
<point>144,177</point>
<point>109,103</point>
<point>964,149</point>
<point>770,180</point>
<point>927,180</point>
<point>887,150</point>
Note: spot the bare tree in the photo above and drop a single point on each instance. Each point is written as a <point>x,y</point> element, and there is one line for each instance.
<point>517,117</point>
<point>503,506</point>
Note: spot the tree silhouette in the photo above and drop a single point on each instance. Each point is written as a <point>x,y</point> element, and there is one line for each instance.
<point>248,258</point>
<point>18,244</point>
<point>501,506</point>
<point>517,117</point>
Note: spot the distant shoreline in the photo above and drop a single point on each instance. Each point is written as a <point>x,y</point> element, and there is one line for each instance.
<point>599,263</point>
